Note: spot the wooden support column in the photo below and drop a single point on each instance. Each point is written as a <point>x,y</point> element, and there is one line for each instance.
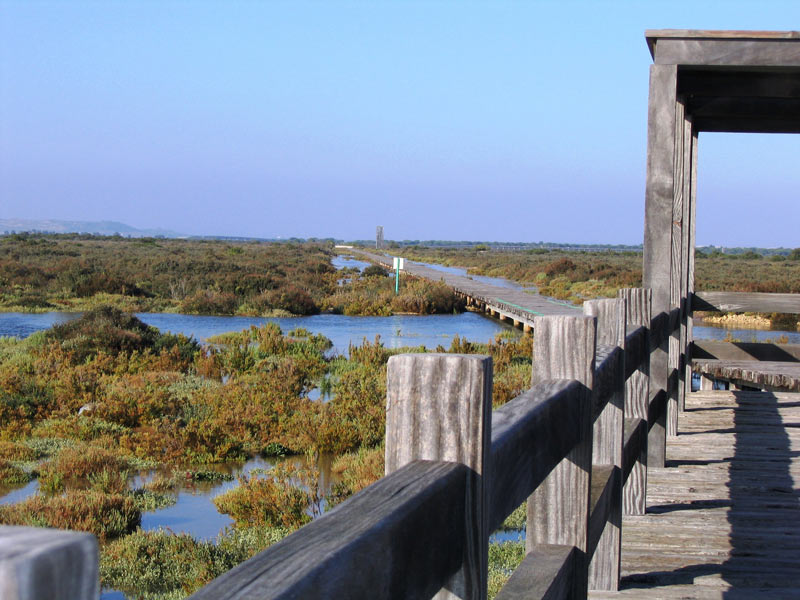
<point>637,401</point>
<point>683,299</point>
<point>558,511</point>
<point>47,563</point>
<point>674,374</point>
<point>657,263</point>
<point>692,229</point>
<point>604,566</point>
<point>706,383</point>
<point>439,407</point>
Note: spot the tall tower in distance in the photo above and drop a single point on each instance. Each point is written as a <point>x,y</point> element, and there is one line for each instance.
<point>379,237</point>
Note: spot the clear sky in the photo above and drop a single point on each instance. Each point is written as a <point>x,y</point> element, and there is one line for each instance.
<point>508,121</point>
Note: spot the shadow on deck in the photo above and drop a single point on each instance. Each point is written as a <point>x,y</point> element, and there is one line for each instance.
<point>723,518</point>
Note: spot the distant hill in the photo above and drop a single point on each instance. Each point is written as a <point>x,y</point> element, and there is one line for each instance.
<point>93,227</point>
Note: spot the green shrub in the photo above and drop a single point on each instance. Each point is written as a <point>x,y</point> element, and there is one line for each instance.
<point>265,503</point>
<point>105,515</point>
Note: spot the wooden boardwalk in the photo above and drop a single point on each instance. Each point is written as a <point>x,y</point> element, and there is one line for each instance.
<point>508,302</point>
<point>769,375</point>
<point>723,517</point>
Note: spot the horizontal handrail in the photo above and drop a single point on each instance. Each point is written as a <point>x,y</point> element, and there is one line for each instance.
<point>746,302</point>
<point>531,434</point>
<point>384,542</point>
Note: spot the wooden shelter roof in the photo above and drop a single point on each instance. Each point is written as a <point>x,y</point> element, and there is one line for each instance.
<point>734,81</point>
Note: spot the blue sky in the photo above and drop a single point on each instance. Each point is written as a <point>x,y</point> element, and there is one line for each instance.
<point>509,121</point>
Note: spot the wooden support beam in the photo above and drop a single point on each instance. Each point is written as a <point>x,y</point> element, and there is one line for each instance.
<point>525,445</point>
<point>605,482</point>
<point>692,229</point>
<point>634,443</point>
<point>637,400</point>
<point>611,314</point>
<point>659,197</point>
<point>674,376</point>
<point>714,349</point>
<point>47,563</point>
<point>438,407</point>
<point>558,511</point>
<point>545,573</point>
<point>746,302</point>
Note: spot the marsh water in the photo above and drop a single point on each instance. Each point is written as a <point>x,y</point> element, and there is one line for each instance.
<point>194,512</point>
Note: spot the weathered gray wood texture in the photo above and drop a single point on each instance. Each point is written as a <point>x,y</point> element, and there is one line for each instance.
<point>723,518</point>
<point>676,270</point>
<point>386,542</point>
<point>735,53</point>
<point>634,440</point>
<point>38,564</point>
<point>746,302</point>
<point>687,254</point>
<point>545,573</point>
<point>760,374</point>
<point>605,481</point>
<point>438,407</point>
<point>712,349</point>
<point>637,397</point>
<point>525,444</point>
<point>558,511</point>
<point>690,249</point>
<point>657,251</point>
<point>607,435</point>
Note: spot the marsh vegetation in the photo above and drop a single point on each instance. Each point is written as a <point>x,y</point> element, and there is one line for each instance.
<point>89,406</point>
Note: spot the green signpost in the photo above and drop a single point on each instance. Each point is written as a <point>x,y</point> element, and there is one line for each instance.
<point>398,264</point>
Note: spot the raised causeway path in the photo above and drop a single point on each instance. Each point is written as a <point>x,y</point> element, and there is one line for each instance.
<point>723,517</point>
<point>503,302</point>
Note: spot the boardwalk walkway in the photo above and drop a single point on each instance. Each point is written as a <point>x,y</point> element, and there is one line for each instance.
<point>509,302</point>
<point>723,518</point>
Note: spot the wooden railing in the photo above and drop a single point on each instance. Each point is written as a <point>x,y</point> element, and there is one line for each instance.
<point>739,368</point>
<point>574,447</point>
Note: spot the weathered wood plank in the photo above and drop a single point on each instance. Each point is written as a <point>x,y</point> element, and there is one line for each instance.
<point>531,434</point>
<point>692,227</point>
<point>367,547</point>
<point>746,302</point>
<point>633,445</point>
<point>676,270</point>
<point>720,52</point>
<point>687,255</point>
<point>48,563</point>
<point>637,398</point>
<point>724,516</point>
<point>438,407</point>
<point>636,350</point>
<point>738,351</point>
<point>609,382</point>
<point>545,573</point>
<point>605,480</point>
<point>762,374</point>
<point>558,511</point>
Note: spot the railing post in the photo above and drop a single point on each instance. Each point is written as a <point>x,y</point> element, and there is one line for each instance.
<point>48,563</point>
<point>558,511</point>
<point>607,433</point>
<point>706,382</point>
<point>439,407</point>
<point>637,401</point>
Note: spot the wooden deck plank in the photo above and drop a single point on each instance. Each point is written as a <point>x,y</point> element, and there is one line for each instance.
<point>723,516</point>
